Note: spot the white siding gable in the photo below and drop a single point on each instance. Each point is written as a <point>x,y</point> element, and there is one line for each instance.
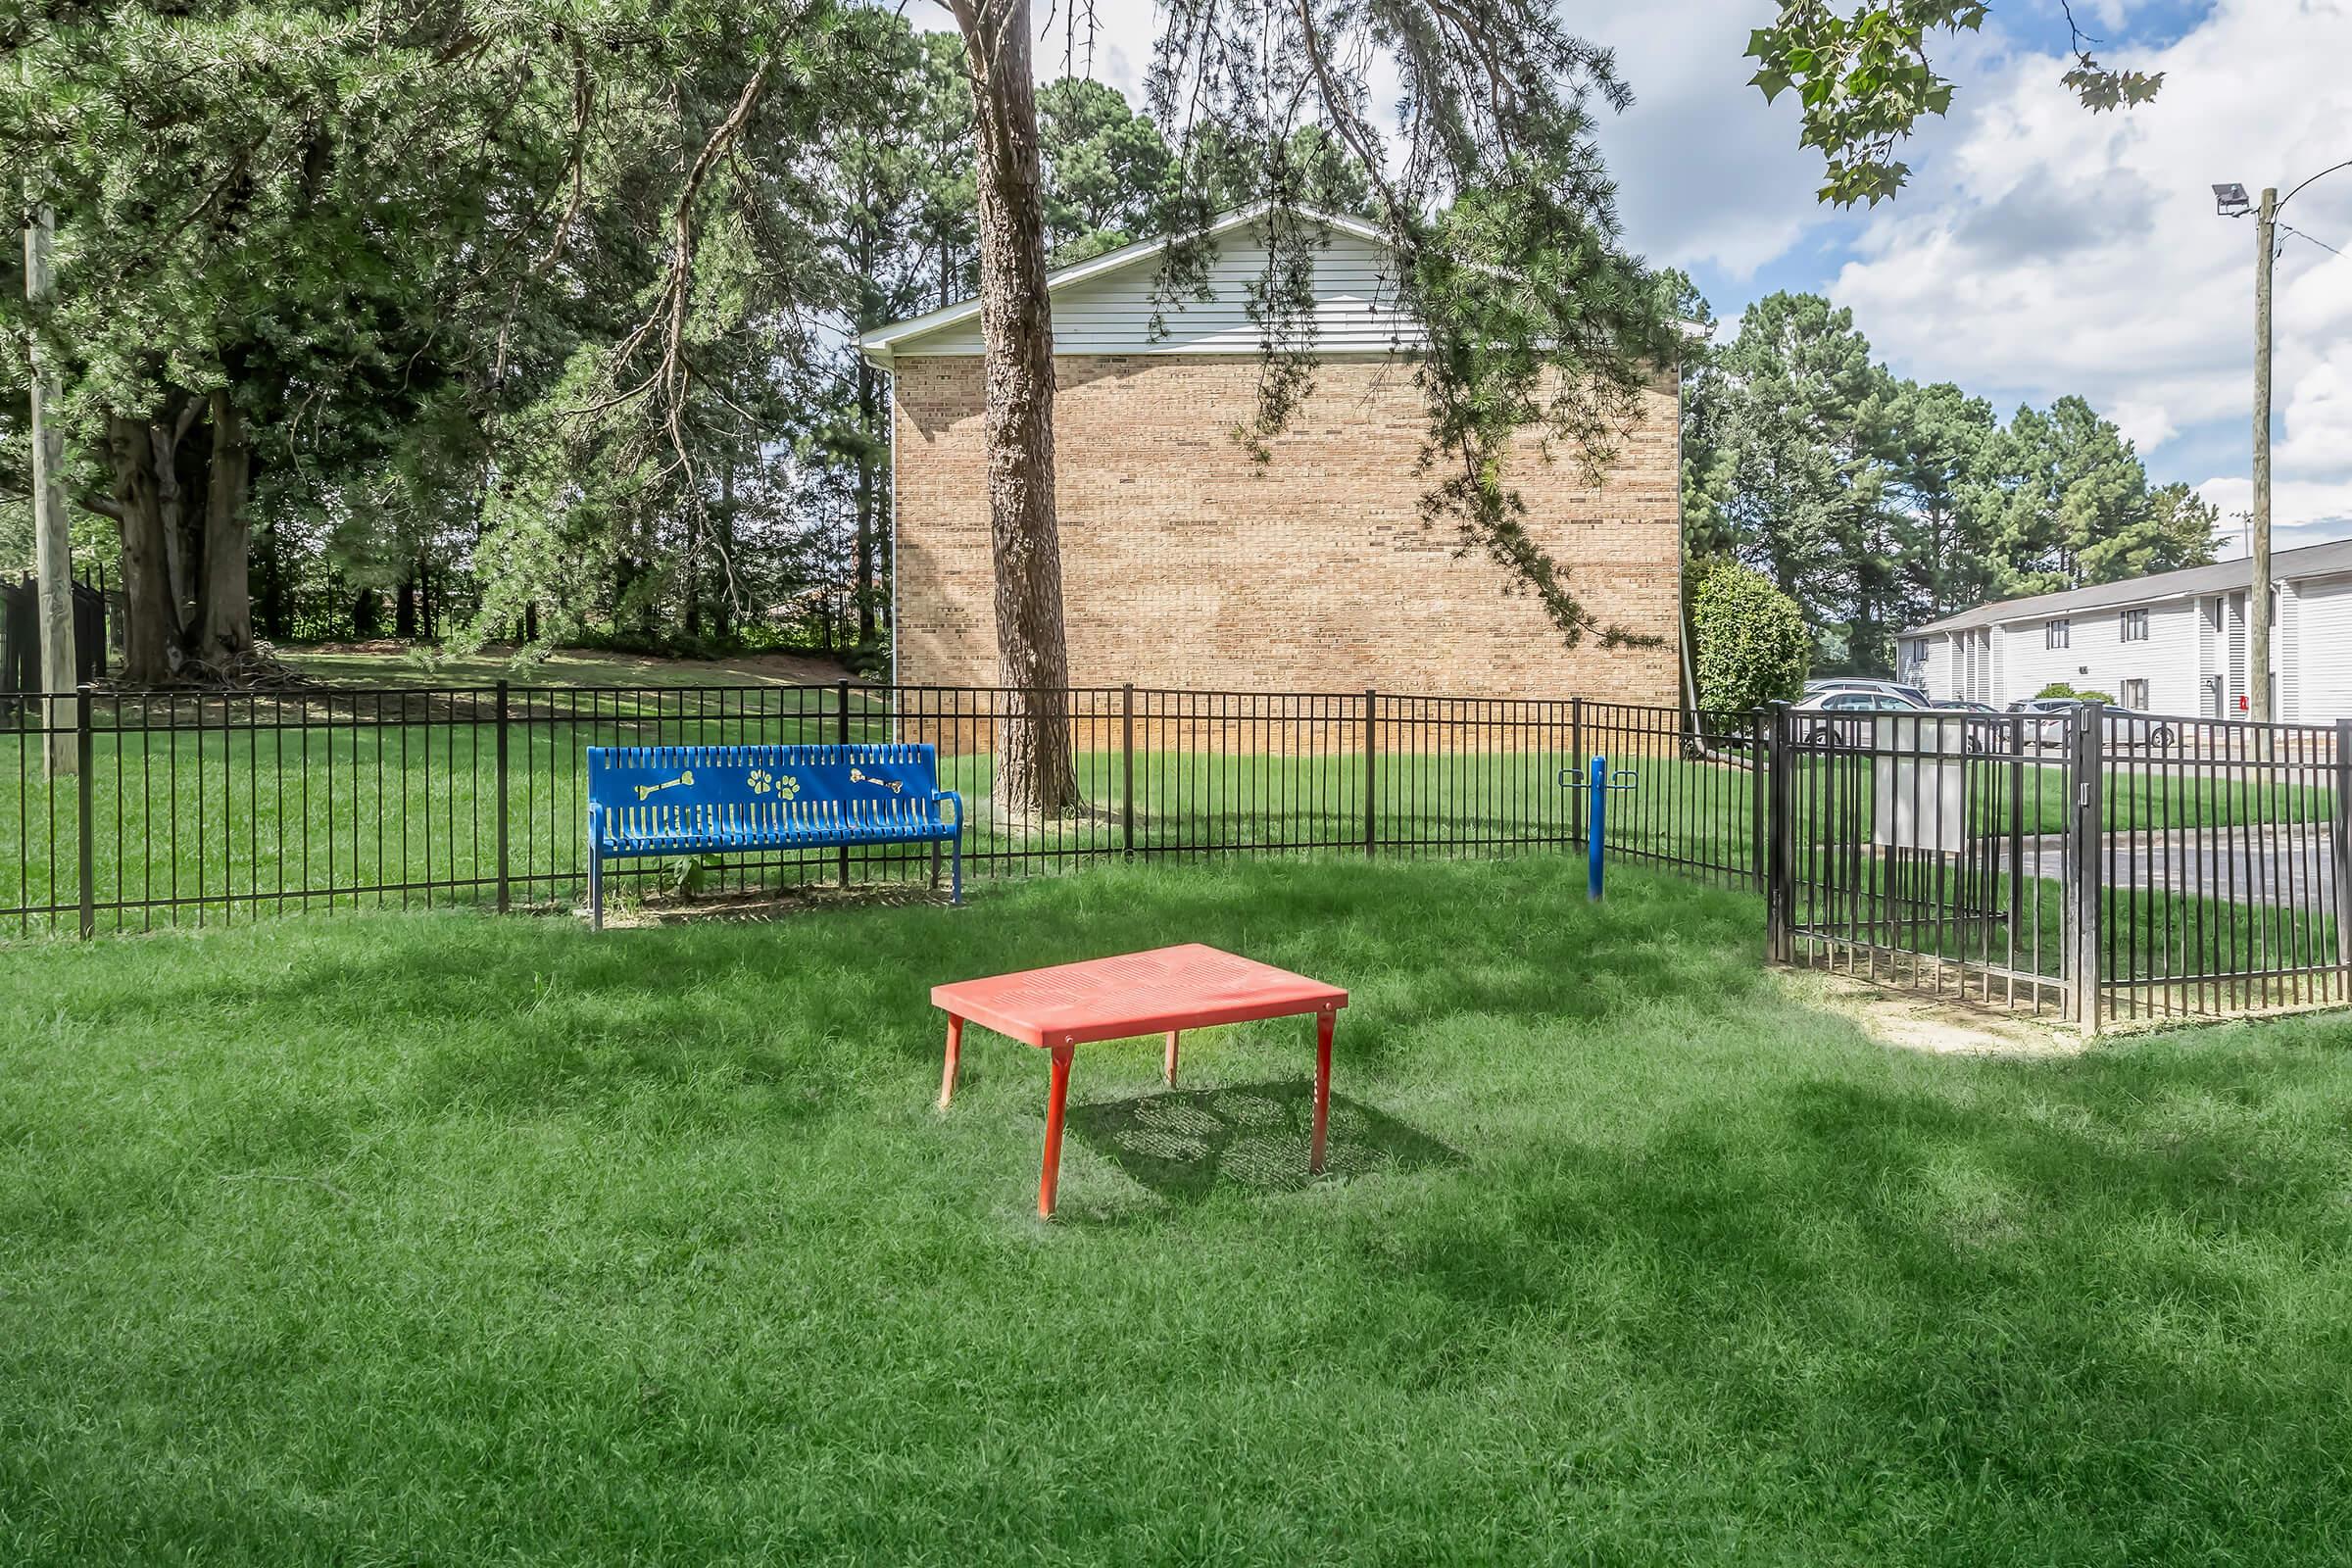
<point>1107,308</point>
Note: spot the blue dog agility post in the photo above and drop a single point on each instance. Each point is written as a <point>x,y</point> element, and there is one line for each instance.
<point>1596,816</point>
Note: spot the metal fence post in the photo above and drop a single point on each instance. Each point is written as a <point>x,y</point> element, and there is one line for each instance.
<point>841,733</point>
<point>1127,768</point>
<point>2340,841</point>
<point>2084,898</point>
<point>1780,838</point>
<point>87,869</point>
<point>502,890</point>
<point>1371,768</point>
<point>1578,761</point>
<point>1759,739</point>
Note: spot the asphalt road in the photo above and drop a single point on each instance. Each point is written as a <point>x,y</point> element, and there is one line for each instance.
<point>2267,866</point>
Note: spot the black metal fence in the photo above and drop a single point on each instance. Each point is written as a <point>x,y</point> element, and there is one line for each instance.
<point>2094,868</point>
<point>202,809</point>
<point>2105,869</point>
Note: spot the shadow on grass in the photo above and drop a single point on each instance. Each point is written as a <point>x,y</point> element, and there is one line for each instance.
<point>1185,1143</point>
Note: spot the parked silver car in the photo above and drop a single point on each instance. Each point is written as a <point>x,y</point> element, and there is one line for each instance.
<point>2119,727</point>
<point>1864,683</point>
<point>1838,719</point>
<point>1838,716</point>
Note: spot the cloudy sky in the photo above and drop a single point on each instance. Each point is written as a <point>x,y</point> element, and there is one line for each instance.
<point>2039,248</point>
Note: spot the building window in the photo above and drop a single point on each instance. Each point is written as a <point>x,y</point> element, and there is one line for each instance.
<point>2135,694</point>
<point>2135,625</point>
<point>2057,634</point>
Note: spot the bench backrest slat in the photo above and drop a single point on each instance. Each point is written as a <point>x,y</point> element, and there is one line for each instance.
<point>658,799</point>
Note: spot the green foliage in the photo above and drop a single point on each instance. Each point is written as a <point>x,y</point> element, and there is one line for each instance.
<point>1105,169</point>
<point>2062,690</point>
<point>2075,507</point>
<point>1750,640</point>
<point>1863,81</point>
<point>1880,504</point>
<point>1540,332</point>
<point>1786,424</point>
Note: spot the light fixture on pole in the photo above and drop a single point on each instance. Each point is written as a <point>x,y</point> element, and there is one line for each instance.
<point>2231,201</point>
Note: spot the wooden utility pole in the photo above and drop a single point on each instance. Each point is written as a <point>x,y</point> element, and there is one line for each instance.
<point>52,549</point>
<point>2258,592</point>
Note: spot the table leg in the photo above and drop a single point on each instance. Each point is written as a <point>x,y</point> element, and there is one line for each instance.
<point>1172,1059</point>
<point>1050,1178</point>
<point>1323,1027</point>
<point>947,1079</point>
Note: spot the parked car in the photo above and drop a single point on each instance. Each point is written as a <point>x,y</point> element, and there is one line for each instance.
<point>1839,718</point>
<point>2125,728</point>
<point>1980,738</point>
<point>1863,683</point>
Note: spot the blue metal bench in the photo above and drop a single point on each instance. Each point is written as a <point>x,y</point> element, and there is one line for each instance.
<point>695,800</point>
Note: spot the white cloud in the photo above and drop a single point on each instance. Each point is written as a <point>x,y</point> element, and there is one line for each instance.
<point>2040,250</point>
<point>1707,173</point>
<point>2146,425</point>
<point>2047,250</point>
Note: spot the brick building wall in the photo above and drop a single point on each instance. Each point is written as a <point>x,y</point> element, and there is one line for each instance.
<point>1187,564</point>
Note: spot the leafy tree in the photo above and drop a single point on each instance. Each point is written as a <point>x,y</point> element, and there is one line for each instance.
<point>1789,441</point>
<point>1863,80</point>
<point>323,268</point>
<point>1492,197</point>
<point>1880,504</point>
<point>1751,643</point>
<point>1105,169</point>
<point>2075,507</point>
<point>1941,456</point>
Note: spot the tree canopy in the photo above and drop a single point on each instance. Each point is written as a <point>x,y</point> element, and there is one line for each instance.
<point>1878,503</point>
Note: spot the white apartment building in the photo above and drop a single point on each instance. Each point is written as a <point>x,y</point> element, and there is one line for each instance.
<point>2174,643</point>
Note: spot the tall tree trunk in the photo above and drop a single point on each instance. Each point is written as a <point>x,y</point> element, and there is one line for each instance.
<point>226,620</point>
<point>1036,773</point>
<point>404,606</point>
<point>150,611</point>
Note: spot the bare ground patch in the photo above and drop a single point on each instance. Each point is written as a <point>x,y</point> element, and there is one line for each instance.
<point>1912,1023</point>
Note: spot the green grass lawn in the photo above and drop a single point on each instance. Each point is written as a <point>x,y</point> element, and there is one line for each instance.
<point>439,1239</point>
<point>425,665</point>
<point>335,814</point>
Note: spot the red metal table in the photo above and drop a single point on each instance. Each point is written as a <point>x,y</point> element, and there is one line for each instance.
<point>1165,990</point>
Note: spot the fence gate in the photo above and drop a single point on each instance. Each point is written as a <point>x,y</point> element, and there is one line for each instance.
<point>1923,850</point>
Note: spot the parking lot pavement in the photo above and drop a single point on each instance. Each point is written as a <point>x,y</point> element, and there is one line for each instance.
<point>2267,866</point>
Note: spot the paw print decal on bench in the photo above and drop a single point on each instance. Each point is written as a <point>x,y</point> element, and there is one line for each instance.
<point>762,781</point>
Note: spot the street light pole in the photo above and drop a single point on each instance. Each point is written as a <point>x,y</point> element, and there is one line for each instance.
<point>2230,200</point>
<point>2258,593</point>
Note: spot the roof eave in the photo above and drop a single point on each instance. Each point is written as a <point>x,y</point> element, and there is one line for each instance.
<point>879,347</point>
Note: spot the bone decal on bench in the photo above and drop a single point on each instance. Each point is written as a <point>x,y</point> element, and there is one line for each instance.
<point>642,790</point>
<point>894,785</point>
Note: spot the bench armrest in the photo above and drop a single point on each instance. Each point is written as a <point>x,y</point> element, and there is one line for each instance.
<point>949,798</point>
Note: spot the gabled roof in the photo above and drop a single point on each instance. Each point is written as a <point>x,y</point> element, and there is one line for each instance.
<point>882,344</point>
<point>2225,576</point>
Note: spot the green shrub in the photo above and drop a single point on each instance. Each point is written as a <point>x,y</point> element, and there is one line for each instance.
<point>1751,641</point>
<point>2059,688</point>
